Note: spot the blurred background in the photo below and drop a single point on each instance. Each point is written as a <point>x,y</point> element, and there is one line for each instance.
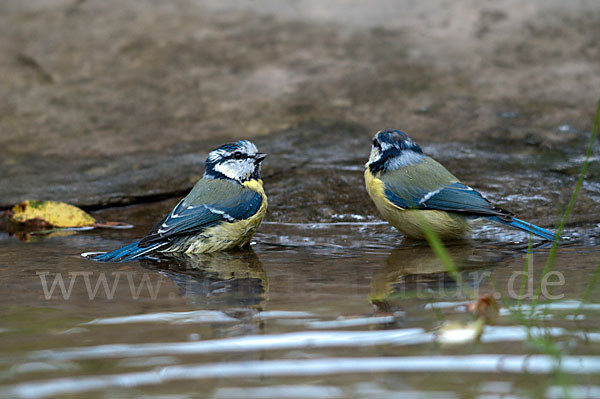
<point>110,102</point>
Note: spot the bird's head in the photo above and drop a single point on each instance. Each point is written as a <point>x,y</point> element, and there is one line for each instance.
<point>238,161</point>
<point>391,150</point>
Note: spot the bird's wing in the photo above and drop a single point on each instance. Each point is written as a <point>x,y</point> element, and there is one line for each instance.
<point>428,187</point>
<point>460,198</point>
<point>208,204</point>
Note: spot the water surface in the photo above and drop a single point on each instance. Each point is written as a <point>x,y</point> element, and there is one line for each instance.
<point>321,310</point>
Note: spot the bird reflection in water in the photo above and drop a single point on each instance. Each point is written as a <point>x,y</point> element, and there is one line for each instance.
<point>216,280</point>
<point>416,273</point>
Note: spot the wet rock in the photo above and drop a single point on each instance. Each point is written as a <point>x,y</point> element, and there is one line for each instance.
<point>99,181</point>
<point>111,102</point>
<point>316,171</point>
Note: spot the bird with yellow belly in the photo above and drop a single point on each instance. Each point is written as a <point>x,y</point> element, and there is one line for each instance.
<point>222,211</point>
<point>413,191</point>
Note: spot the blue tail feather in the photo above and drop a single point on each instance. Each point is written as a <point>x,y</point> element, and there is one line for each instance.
<point>527,227</point>
<point>127,253</point>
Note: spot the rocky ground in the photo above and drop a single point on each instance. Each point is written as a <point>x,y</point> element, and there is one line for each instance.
<point>110,102</point>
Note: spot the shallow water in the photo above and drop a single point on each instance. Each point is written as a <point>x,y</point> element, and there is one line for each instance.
<point>328,302</point>
<point>322,310</point>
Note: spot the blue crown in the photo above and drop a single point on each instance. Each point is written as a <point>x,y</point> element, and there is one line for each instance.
<point>392,136</point>
<point>232,146</point>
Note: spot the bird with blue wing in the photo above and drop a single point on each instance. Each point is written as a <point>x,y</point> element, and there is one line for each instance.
<point>222,211</point>
<point>411,189</point>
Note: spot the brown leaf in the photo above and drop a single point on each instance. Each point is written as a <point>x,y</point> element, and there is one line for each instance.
<point>485,307</point>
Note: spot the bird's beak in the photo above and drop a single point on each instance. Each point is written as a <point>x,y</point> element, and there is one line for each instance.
<point>259,157</point>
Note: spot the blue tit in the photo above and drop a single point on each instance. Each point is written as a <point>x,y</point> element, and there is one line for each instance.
<point>410,188</point>
<point>222,211</point>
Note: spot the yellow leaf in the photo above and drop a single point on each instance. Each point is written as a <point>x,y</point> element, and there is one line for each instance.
<point>52,213</point>
<point>455,332</point>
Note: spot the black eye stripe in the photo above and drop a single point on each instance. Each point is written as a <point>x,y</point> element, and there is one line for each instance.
<point>236,156</point>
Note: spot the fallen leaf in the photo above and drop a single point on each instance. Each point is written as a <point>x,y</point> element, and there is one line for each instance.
<point>50,213</point>
<point>485,307</point>
<point>455,332</point>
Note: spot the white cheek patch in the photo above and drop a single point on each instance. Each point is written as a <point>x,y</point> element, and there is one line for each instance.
<point>405,158</point>
<point>246,168</point>
<point>374,156</point>
<point>236,169</point>
<point>228,168</point>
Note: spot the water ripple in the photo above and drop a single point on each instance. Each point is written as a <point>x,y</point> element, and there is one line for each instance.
<point>485,363</point>
<point>197,316</point>
<point>297,340</point>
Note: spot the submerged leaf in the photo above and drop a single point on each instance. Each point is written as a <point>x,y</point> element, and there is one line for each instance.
<point>50,213</point>
<point>455,332</point>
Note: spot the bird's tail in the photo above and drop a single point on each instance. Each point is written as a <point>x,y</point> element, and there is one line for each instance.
<point>127,253</point>
<point>528,227</point>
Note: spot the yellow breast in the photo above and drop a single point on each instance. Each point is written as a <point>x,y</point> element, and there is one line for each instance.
<point>410,221</point>
<point>232,235</point>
